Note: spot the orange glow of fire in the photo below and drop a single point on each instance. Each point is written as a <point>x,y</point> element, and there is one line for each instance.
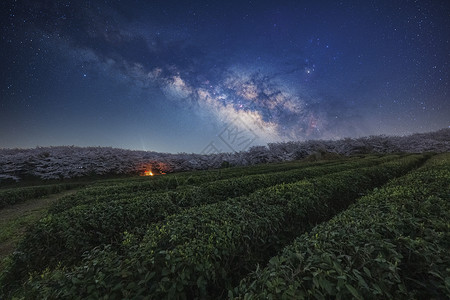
<point>148,173</point>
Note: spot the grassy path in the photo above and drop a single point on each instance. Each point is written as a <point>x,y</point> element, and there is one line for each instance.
<point>14,221</point>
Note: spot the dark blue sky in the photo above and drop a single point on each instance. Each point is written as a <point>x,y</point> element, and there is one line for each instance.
<point>207,76</point>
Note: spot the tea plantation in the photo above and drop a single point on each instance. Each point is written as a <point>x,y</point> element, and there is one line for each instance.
<point>372,227</point>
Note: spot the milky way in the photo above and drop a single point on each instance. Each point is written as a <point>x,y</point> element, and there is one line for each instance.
<point>168,76</point>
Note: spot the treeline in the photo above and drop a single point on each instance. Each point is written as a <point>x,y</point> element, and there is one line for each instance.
<point>70,161</point>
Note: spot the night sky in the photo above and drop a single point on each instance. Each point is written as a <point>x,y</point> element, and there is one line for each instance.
<point>191,76</point>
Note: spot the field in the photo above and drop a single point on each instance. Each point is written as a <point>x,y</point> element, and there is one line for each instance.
<point>363,227</point>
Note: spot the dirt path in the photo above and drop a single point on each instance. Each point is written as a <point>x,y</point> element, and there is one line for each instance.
<point>30,206</point>
<point>15,219</point>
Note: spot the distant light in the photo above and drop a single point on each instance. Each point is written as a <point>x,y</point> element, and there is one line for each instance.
<point>148,173</point>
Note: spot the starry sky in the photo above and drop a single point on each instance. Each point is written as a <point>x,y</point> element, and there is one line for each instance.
<point>210,76</point>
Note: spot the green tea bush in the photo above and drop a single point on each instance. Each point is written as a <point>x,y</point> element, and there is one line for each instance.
<point>13,196</point>
<point>69,234</point>
<point>204,250</point>
<point>392,244</point>
<point>116,189</point>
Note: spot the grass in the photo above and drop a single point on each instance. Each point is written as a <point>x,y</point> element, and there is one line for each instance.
<point>15,220</point>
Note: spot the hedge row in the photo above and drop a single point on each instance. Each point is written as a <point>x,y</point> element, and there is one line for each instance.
<point>212,192</point>
<point>21,194</point>
<point>119,189</point>
<point>62,238</point>
<point>203,251</point>
<point>229,179</point>
<point>392,244</point>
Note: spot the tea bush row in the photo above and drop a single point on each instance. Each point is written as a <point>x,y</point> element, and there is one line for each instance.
<point>128,188</point>
<point>13,196</point>
<point>205,250</point>
<point>392,244</point>
<point>63,237</point>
